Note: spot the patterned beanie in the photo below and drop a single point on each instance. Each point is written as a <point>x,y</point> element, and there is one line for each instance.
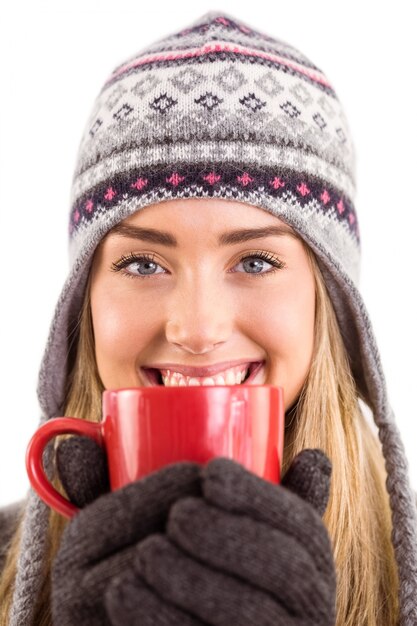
<point>221,110</point>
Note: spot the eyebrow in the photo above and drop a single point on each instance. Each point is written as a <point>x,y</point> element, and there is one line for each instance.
<point>225,239</point>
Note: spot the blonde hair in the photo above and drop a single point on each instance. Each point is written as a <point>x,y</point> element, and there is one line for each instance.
<point>328,416</point>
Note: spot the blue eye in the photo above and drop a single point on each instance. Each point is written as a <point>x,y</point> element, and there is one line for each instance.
<point>257,263</point>
<point>145,264</point>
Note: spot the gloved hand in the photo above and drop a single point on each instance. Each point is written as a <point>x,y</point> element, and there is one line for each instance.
<point>246,552</point>
<point>82,469</point>
<point>99,543</point>
<point>242,551</point>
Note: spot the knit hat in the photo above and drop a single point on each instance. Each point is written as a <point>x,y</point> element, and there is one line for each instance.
<point>221,110</point>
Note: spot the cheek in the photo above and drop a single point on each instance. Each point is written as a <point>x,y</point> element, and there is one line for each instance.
<point>284,321</point>
<point>121,327</point>
<point>297,317</point>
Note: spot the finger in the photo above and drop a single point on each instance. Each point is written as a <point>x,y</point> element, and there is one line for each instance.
<point>206,593</point>
<point>129,600</point>
<point>82,469</point>
<point>231,487</point>
<point>265,557</point>
<point>96,578</point>
<point>309,477</point>
<point>125,516</point>
<point>92,581</point>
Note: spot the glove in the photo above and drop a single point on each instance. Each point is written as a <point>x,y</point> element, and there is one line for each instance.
<point>82,469</point>
<point>246,552</point>
<point>242,551</point>
<point>99,543</point>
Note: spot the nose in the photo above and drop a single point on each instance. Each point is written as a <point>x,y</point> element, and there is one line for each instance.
<point>200,318</point>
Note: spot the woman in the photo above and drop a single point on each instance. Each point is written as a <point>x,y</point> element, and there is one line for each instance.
<point>214,129</point>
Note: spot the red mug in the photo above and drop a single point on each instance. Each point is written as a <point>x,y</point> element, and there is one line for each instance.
<point>146,428</point>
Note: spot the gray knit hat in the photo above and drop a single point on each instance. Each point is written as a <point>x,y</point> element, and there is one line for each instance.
<point>221,110</point>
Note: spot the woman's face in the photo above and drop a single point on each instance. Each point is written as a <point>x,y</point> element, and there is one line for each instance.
<point>202,297</point>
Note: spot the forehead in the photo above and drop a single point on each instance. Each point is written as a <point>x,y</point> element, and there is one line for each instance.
<point>223,221</point>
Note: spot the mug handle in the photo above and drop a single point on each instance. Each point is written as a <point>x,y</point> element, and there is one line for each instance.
<point>34,458</point>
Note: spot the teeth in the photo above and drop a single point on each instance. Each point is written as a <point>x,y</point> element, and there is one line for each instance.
<point>232,376</point>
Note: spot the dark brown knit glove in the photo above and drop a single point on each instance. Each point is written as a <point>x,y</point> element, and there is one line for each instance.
<point>247,552</point>
<point>82,469</point>
<point>242,551</point>
<point>99,543</point>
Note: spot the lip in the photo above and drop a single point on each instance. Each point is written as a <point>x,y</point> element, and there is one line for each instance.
<point>152,376</point>
<point>209,370</point>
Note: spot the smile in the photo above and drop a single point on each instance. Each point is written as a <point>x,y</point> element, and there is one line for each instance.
<point>241,374</point>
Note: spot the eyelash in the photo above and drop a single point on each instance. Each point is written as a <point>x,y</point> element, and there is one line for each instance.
<point>138,258</point>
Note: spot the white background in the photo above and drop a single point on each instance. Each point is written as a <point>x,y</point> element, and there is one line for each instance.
<point>54,58</point>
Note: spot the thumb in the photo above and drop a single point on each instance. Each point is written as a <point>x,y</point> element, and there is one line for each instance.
<point>82,469</point>
<point>309,477</point>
